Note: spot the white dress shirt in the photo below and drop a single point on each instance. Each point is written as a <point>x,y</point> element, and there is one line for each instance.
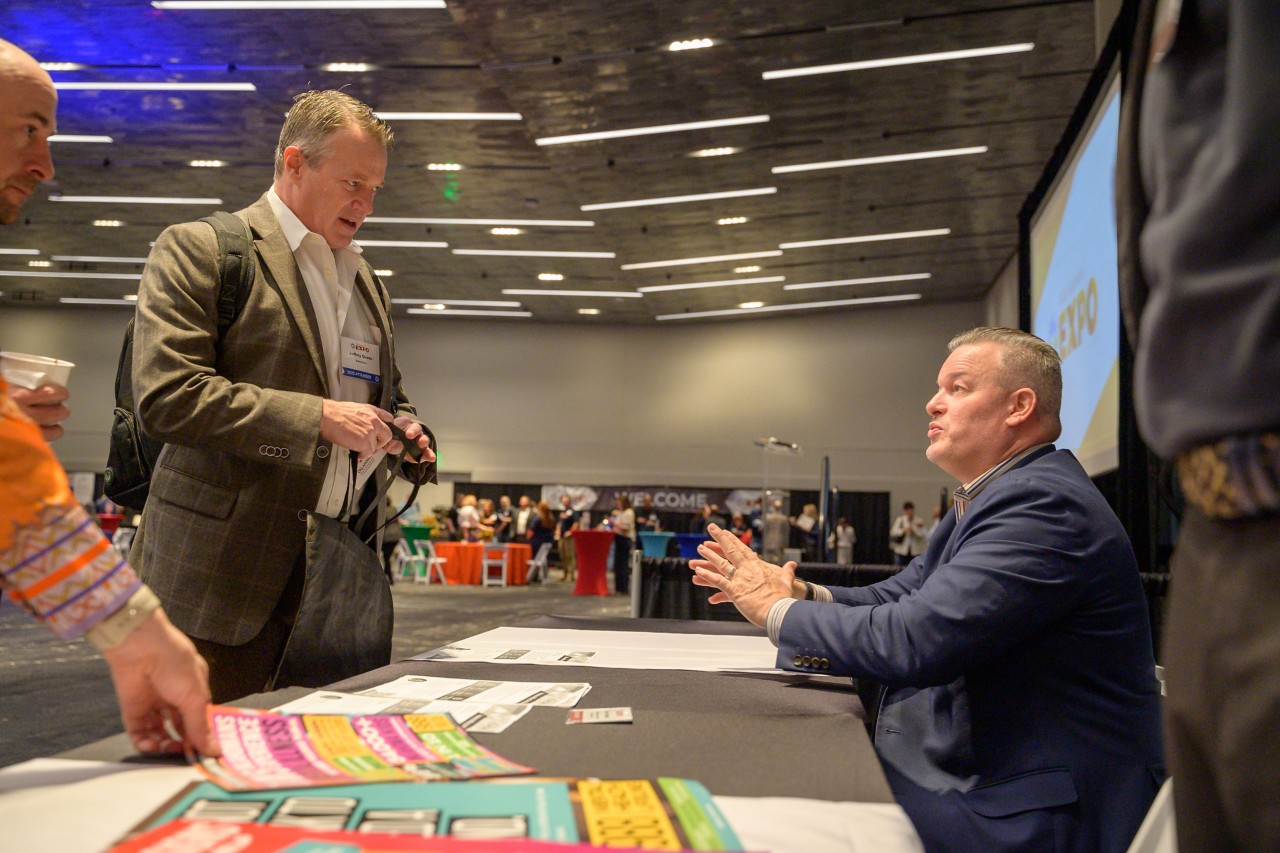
<point>330,276</point>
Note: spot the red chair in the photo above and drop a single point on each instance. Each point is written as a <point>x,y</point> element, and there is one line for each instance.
<point>109,521</point>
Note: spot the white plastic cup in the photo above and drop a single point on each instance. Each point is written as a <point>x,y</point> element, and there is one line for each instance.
<point>32,371</point>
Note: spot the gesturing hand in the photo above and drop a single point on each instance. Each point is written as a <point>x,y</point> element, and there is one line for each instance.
<point>740,576</point>
<point>412,431</point>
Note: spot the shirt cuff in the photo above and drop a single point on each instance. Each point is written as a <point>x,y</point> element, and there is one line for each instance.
<point>113,630</point>
<point>773,621</point>
<point>821,593</point>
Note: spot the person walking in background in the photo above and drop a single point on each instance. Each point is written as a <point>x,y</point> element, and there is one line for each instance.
<point>907,538</point>
<point>623,522</point>
<point>566,523</point>
<point>543,529</point>
<point>1198,190</point>
<point>506,516</point>
<point>841,542</point>
<point>810,530</point>
<point>647,520</point>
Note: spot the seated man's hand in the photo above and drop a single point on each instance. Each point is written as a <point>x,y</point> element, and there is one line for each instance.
<point>160,676</point>
<point>740,576</point>
<point>414,432</point>
<point>45,405</point>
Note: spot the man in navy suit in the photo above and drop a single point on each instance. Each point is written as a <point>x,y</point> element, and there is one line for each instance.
<point>1021,709</point>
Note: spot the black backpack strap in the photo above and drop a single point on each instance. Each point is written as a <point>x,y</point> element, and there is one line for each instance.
<point>236,265</point>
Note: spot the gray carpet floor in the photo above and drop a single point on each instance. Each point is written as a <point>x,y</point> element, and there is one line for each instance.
<point>56,695</point>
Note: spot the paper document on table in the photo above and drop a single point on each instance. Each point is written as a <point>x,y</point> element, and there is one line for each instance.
<point>486,717</point>
<point>614,650</point>
<point>424,687</point>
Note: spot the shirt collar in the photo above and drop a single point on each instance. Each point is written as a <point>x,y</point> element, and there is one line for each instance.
<point>974,487</point>
<point>293,229</point>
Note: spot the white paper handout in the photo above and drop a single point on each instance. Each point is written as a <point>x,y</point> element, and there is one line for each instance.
<point>486,717</point>
<point>614,650</point>
<point>426,687</point>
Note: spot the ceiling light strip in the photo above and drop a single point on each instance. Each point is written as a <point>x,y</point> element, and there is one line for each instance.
<point>711,259</point>
<point>532,253</point>
<point>414,116</point>
<point>915,59</point>
<point>19,251</point>
<point>405,244</point>
<point>91,275</point>
<point>220,5</point>
<point>464,312</point>
<point>133,199</point>
<point>153,87</point>
<point>915,276</point>
<point>84,300</point>
<point>79,137</point>
<point>868,238</point>
<point>873,161</point>
<point>648,131</point>
<point>694,285</point>
<point>678,199</point>
<point>618,294</point>
<point>96,259</point>
<point>471,303</point>
<point>836,303</point>
<point>533,223</point>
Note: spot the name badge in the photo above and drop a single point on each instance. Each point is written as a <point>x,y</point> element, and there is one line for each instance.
<point>360,360</point>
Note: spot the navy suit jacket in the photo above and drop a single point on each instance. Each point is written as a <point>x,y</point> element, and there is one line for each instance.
<point>1021,708</point>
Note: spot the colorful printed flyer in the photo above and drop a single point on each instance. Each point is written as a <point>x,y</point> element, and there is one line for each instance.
<point>265,749</point>
<point>662,814</point>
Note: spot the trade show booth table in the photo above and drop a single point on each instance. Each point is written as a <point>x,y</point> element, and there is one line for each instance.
<point>465,561</point>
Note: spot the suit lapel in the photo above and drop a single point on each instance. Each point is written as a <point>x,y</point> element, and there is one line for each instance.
<point>365,287</point>
<point>273,252</point>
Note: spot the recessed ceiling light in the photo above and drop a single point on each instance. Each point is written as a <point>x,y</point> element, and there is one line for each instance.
<point>61,66</point>
<point>679,199</point>
<point>915,276</point>
<point>887,158</point>
<point>108,223</point>
<point>550,276</point>
<point>695,285</point>
<point>79,137</point>
<point>915,59</point>
<point>750,304</point>
<point>97,259</point>
<point>647,131</point>
<point>207,164</point>
<point>505,232</point>
<point>531,253</point>
<point>742,256</point>
<point>588,310</point>
<point>732,220</point>
<point>466,312</point>
<point>154,87</point>
<point>132,297</point>
<point>752,268</point>
<point>298,4</point>
<point>472,303</point>
<point>532,223</point>
<point>39,264</point>
<point>713,152</point>
<point>134,199</point>
<point>868,238</point>
<point>836,303</point>
<point>384,273</point>
<point>619,294</point>
<point>444,167</point>
<point>415,116</point>
<point>405,244</point>
<point>83,300</point>
<point>690,44</point>
<point>19,251</point>
<point>93,275</point>
<point>351,67</point>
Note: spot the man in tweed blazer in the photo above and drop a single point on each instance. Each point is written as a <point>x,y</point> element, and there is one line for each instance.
<point>260,426</point>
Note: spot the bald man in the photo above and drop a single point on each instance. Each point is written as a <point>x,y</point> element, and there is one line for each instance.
<point>79,585</point>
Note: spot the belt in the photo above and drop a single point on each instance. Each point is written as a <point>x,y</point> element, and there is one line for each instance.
<point>1237,477</point>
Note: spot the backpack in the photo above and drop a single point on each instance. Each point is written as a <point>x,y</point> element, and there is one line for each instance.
<point>132,454</point>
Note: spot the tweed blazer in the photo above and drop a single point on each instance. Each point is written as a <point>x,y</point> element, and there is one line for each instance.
<point>243,457</point>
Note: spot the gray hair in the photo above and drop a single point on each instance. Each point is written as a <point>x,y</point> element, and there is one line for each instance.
<point>315,116</point>
<point>1026,361</point>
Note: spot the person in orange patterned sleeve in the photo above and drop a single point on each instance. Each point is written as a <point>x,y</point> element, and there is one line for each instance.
<point>54,561</point>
